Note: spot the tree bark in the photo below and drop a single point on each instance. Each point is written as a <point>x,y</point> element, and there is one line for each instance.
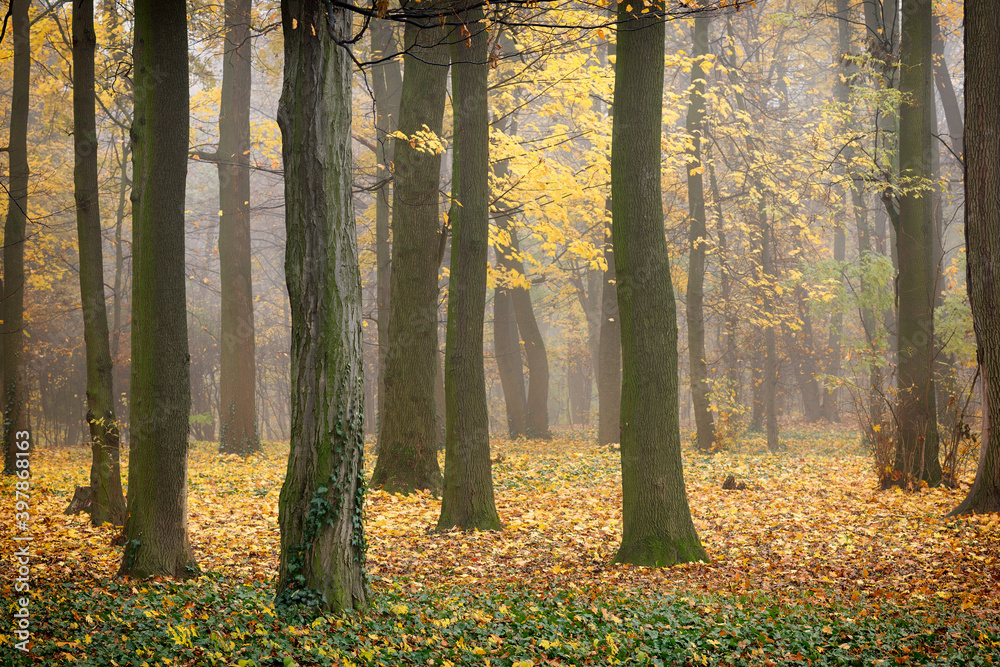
<point>387,82</point>
<point>407,455</point>
<point>657,526</point>
<point>15,397</point>
<point>537,404</point>
<point>156,537</point>
<point>609,369</point>
<point>698,239</point>
<point>237,382</point>
<point>982,235</point>
<point>946,90</point>
<point>321,503</point>
<point>507,349</point>
<point>916,457</point>
<point>945,371</point>
<point>609,345</point>
<point>120,370</point>
<point>467,500</point>
<point>107,499</point>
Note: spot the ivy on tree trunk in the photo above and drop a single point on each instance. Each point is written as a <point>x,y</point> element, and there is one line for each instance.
<point>321,502</point>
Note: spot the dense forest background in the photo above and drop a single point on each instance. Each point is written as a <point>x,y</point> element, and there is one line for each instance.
<point>796,154</point>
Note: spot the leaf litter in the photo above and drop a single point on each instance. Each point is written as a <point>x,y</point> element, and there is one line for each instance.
<point>810,532</point>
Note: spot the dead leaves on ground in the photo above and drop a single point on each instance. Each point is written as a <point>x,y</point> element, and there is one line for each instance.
<point>810,522</point>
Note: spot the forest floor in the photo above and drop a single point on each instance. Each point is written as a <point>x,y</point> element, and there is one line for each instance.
<point>810,565</point>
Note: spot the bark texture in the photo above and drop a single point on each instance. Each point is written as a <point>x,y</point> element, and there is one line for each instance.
<point>657,526</point>
<point>916,457</point>
<point>982,235</point>
<point>387,84</point>
<point>15,408</point>
<point>467,500</point>
<point>407,452</point>
<point>698,239</point>
<point>107,499</point>
<point>321,502</point>
<point>237,377</point>
<point>156,525</point>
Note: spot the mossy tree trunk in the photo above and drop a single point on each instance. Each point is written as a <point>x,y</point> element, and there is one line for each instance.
<point>407,453</point>
<point>237,378</point>
<point>321,502</point>
<point>14,394</point>
<point>156,537</point>
<point>916,457</point>
<point>657,526</point>
<point>982,235</point>
<point>698,240</point>
<point>467,500</point>
<point>107,500</point>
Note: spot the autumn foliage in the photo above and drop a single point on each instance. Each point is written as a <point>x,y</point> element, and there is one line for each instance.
<point>810,561</point>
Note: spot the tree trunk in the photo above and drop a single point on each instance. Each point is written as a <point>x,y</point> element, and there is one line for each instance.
<point>801,346</point>
<point>156,537</point>
<point>15,410</point>
<point>842,94</point>
<point>770,379</point>
<point>733,375</point>
<point>407,454</point>
<point>537,404</point>
<point>237,383</point>
<point>916,457</point>
<point>387,82</point>
<point>467,501</point>
<point>107,500</point>
<point>120,370</point>
<point>982,235</point>
<point>830,409</point>
<point>698,239</point>
<point>507,349</point>
<point>322,499</point>
<point>946,90</point>
<point>609,368</point>
<point>945,371</point>
<point>657,526</point>
<point>609,344</point>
